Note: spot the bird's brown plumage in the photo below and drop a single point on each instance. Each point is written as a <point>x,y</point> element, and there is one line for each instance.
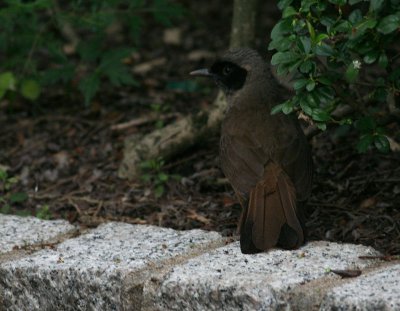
<point>265,157</point>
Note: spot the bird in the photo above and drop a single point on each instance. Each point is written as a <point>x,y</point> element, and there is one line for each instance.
<point>265,157</point>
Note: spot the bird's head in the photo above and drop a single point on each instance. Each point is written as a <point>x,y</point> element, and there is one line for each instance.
<point>234,69</point>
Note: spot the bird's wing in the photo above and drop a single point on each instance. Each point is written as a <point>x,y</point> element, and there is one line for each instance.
<point>264,175</point>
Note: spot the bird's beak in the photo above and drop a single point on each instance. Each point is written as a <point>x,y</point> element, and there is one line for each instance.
<point>201,72</point>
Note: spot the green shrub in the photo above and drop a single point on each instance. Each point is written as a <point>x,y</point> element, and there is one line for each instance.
<point>71,43</point>
<point>340,53</point>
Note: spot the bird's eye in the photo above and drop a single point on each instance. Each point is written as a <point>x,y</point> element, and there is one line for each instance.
<point>227,70</point>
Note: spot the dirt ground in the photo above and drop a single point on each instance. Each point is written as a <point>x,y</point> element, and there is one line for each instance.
<point>66,157</point>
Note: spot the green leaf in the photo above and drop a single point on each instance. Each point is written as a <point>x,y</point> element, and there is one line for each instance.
<point>119,75</point>
<point>351,74</point>
<point>305,44</point>
<point>343,26</point>
<point>3,175</point>
<point>321,126</point>
<point>360,28</point>
<point>320,115</point>
<point>63,73</point>
<point>383,60</point>
<point>282,44</point>
<point>307,66</point>
<point>364,142</point>
<point>380,94</point>
<point>352,2</point>
<point>310,85</point>
<point>389,24</point>
<point>18,197</point>
<point>300,83</point>
<point>89,87</point>
<point>281,28</point>
<point>306,5</point>
<point>6,209</point>
<point>284,58</point>
<point>311,31</point>
<point>89,51</point>
<point>276,109</point>
<point>287,107</point>
<point>43,212</point>
<point>159,191</point>
<point>365,124</point>
<point>324,80</point>
<point>284,3</point>
<point>288,11</point>
<point>162,177</point>
<point>294,65</point>
<point>324,49</point>
<point>382,143</point>
<point>375,5</point>
<point>338,2</point>
<point>325,93</point>
<point>30,89</point>
<point>320,37</point>
<point>146,177</point>
<point>371,57</point>
<point>7,82</point>
<point>355,16</point>
<point>304,105</point>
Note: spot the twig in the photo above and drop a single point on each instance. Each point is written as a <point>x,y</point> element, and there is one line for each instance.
<point>144,120</point>
<point>340,112</point>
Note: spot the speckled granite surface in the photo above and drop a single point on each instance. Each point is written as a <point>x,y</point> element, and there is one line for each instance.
<point>20,231</point>
<point>96,271</point>
<point>119,266</point>
<point>225,279</point>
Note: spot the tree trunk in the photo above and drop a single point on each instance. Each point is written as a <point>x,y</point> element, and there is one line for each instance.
<point>243,23</point>
<point>180,135</point>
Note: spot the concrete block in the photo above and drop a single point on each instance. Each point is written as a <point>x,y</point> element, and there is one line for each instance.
<point>379,290</point>
<point>102,270</point>
<point>16,231</point>
<point>225,279</point>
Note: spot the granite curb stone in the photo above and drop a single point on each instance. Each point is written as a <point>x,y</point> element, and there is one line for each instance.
<point>16,231</point>
<point>101,270</point>
<point>225,279</point>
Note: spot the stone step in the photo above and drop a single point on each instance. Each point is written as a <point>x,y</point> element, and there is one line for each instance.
<point>225,279</point>
<point>119,266</point>
<point>17,232</point>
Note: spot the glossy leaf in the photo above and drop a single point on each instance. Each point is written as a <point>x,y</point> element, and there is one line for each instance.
<point>375,5</point>
<point>281,28</point>
<point>310,85</point>
<point>288,11</point>
<point>287,107</point>
<point>299,84</point>
<point>276,109</point>
<point>320,115</point>
<point>389,24</point>
<point>371,57</point>
<point>383,60</point>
